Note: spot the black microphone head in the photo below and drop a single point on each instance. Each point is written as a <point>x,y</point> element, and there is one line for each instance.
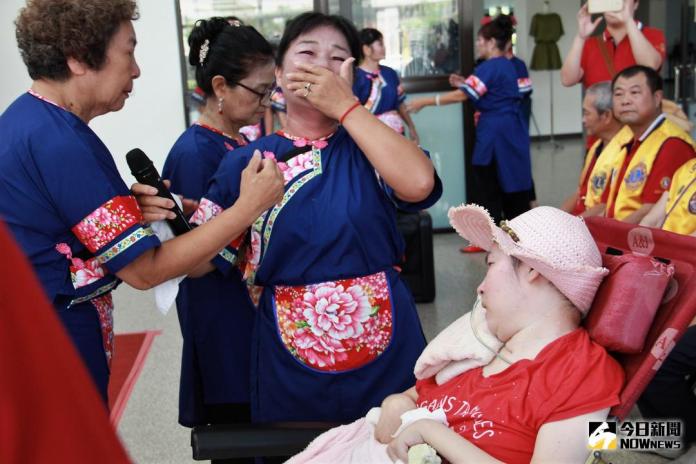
<point>137,161</point>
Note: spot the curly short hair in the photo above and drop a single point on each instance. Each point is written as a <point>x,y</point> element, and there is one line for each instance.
<point>51,31</point>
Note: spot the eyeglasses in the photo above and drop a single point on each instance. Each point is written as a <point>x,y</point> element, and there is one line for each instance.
<point>264,96</point>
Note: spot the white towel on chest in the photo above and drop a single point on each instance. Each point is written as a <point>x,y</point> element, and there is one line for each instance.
<point>465,344</point>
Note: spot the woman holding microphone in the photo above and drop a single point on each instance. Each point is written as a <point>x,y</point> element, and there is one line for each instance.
<point>60,191</point>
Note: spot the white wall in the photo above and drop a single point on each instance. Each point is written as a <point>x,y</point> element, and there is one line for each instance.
<point>567,101</point>
<point>154,114</point>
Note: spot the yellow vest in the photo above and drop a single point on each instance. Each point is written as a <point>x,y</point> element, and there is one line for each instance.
<point>610,159</point>
<point>681,203</point>
<point>625,193</point>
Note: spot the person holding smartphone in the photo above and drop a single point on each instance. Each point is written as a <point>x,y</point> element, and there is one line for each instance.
<point>625,42</point>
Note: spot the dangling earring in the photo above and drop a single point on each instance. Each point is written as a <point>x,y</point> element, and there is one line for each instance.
<point>220,100</point>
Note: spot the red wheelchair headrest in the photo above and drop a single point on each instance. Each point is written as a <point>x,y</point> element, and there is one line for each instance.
<point>627,301</point>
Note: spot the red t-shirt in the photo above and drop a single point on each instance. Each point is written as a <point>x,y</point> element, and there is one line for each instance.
<point>594,66</point>
<point>502,413</point>
<point>673,154</point>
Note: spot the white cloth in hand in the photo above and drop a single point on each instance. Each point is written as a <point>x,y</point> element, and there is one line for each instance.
<point>166,292</point>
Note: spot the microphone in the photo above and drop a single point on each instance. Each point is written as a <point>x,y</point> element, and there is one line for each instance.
<point>144,172</point>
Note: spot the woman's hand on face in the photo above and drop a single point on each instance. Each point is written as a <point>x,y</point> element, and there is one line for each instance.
<point>330,93</point>
<point>410,436</point>
<point>262,184</point>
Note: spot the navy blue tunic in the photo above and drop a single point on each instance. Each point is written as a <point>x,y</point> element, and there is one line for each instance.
<point>524,84</point>
<point>382,94</point>
<point>336,328</point>
<point>502,137</point>
<point>215,313</point>
<point>73,216</point>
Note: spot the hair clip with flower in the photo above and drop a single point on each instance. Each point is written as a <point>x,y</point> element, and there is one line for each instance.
<point>205,47</point>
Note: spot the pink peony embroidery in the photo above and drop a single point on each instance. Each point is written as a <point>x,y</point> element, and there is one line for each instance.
<point>393,120</point>
<point>206,211</point>
<point>303,142</point>
<point>319,351</point>
<point>335,326</point>
<point>86,272</point>
<point>329,308</point>
<point>82,272</point>
<point>296,165</point>
<point>251,132</point>
<point>107,222</point>
<point>300,142</point>
<point>64,249</point>
<point>255,249</point>
<point>105,307</point>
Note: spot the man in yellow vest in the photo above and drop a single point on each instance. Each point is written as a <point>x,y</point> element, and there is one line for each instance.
<point>676,209</point>
<point>657,149</point>
<point>601,158</point>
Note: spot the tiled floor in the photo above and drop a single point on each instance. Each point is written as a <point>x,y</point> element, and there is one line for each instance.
<point>149,428</point>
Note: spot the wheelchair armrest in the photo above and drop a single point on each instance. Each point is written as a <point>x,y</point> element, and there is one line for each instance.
<point>250,440</point>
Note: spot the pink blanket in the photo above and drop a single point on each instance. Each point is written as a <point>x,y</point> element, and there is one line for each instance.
<point>355,443</point>
<point>348,444</point>
<point>465,344</point>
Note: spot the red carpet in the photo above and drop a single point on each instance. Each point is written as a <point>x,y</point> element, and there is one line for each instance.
<point>130,351</point>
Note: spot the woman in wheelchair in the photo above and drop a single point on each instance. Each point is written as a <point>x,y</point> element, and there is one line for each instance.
<point>533,401</point>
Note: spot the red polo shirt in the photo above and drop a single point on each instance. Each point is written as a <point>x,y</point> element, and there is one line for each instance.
<point>593,64</point>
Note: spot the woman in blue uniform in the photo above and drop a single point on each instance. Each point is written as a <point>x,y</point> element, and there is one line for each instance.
<point>234,70</point>
<point>501,162</point>
<point>60,191</point>
<point>378,87</point>
<point>336,328</point>
<point>524,84</point>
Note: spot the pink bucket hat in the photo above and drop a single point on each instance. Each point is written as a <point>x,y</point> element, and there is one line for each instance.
<point>553,242</point>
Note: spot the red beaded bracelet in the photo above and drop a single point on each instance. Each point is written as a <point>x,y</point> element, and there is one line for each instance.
<point>347,112</point>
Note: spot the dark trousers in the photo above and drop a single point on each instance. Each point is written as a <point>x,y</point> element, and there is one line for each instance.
<point>82,324</point>
<point>669,395</point>
<point>488,193</point>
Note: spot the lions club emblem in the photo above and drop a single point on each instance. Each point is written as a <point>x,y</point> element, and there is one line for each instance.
<point>635,178</point>
<point>599,182</point>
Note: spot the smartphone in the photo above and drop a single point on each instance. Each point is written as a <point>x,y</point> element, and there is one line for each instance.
<point>602,6</point>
